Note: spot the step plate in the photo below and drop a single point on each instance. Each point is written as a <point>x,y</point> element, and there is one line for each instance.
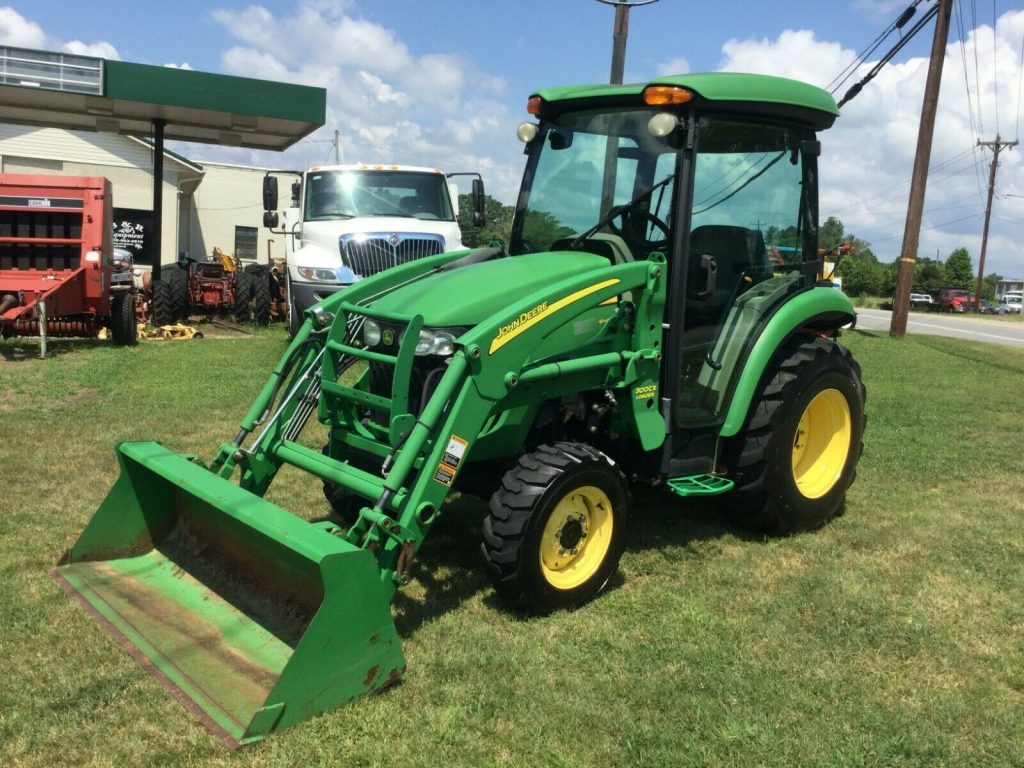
<point>700,485</point>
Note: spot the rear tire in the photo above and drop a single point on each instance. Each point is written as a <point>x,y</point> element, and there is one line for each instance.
<point>260,298</point>
<point>556,528</point>
<point>243,297</point>
<point>123,320</point>
<point>160,304</point>
<point>177,279</point>
<point>803,439</point>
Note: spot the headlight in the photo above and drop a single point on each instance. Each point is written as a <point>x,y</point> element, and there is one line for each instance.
<point>318,274</point>
<point>371,333</point>
<point>435,343</point>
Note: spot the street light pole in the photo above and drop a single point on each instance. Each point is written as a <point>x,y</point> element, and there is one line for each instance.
<point>620,31</point>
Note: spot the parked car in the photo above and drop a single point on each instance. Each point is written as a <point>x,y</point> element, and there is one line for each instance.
<point>1012,302</point>
<point>988,308</point>
<point>921,301</point>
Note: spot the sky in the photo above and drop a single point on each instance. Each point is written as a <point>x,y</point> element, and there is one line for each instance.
<point>445,85</point>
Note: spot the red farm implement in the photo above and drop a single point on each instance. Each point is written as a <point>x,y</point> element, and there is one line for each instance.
<point>57,270</point>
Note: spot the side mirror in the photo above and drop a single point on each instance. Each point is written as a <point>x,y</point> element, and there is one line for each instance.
<point>296,193</point>
<point>269,194</point>
<point>270,219</point>
<point>479,203</point>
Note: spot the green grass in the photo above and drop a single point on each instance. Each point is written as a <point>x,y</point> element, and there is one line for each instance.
<point>893,637</point>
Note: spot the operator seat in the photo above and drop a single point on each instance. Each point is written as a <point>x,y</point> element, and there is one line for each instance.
<point>724,261</point>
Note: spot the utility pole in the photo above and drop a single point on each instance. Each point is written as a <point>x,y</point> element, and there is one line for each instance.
<point>996,146</point>
<point>912,231</point>
<point>337,147</point>
<point>620,31</point>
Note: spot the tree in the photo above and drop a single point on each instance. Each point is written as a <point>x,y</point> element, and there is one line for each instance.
<point>498,227</point>
<point>988,286</point>
<point>929,277</point>
<point>862,274</point>
<point>959,272</point>
<point>831,234</point>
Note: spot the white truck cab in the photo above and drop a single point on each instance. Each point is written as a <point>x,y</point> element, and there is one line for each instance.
<point>347,222</point>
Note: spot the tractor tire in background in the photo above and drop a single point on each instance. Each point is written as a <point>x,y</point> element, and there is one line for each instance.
<point>123,320</point>
<point>161,307</point>
<point>177,279</point>
<point>243,297</point>
<point>260,309</point>
<point>556,527</point>
<point>803,438</point>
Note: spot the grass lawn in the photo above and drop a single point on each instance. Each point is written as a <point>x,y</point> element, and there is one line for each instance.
<point>892,637</point>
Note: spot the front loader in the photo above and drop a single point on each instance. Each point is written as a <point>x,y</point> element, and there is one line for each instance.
<point>635,331</point>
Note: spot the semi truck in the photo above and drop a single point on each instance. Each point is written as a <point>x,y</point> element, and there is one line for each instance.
<point>347,222</point>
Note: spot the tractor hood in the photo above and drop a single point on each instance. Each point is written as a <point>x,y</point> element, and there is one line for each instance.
<point>467,295</point>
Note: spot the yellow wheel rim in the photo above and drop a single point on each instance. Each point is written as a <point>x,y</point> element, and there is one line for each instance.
<point>822,444</point>
<point>576,538</point>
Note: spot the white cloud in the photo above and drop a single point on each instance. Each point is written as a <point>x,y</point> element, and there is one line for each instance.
<point>388,103</point>
<point>101,50</point>
<point>676,66</point>
<point>16,30</point>
<point>868,155</point>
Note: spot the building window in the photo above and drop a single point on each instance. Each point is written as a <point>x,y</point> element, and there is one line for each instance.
<point>245,243</point>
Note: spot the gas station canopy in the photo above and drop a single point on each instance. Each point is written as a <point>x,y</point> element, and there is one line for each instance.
<point>84,93</point>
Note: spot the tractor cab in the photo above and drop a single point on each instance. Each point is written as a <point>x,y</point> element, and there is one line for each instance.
<point>682,172</point>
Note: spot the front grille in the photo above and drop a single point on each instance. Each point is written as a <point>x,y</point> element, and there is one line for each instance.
<point>368,254</point>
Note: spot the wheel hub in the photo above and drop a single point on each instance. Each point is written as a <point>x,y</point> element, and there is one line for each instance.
<point>821,443</point>
<point>576,537</point>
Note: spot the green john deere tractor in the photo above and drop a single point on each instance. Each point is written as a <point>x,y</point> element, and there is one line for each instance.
<point>640,329</point>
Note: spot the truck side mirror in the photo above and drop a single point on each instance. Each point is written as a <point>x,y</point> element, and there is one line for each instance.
<point>296,193</point>
<point>269,194</point>
<point>270,219</point>
<point>479,203</point>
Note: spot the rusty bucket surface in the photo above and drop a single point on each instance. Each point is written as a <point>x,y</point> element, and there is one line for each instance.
<point>253,618</point>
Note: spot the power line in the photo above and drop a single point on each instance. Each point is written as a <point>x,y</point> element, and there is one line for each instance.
<point>856,88</point>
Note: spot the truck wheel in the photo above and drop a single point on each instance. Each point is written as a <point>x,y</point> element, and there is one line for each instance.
<point>802,442</point>
<point>243,297</point>
<point>160,305</point>
<point>123,321</point>
<point>556,527</point>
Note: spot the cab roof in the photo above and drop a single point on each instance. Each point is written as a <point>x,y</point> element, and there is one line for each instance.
<point>734,92</point>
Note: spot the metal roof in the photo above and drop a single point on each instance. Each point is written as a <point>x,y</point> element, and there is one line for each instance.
<point>63,90</point>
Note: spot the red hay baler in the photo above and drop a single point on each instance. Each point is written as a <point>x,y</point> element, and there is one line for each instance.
<point>57,271</point>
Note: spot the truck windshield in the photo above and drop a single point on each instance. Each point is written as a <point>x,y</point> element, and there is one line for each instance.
<point>345,194</point>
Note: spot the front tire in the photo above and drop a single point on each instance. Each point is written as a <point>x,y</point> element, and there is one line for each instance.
<point>123,320</point>
<point>556,528</point>
<point>803,439</point>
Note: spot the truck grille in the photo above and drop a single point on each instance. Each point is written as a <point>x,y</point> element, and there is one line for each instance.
<point>368,254</point>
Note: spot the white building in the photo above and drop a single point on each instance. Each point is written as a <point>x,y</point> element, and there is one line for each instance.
<point>207,206</point>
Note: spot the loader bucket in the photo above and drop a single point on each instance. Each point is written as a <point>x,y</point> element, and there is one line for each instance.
<point>253,618</point>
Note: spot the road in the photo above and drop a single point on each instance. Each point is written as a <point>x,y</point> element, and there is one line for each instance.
<point>992,330</point>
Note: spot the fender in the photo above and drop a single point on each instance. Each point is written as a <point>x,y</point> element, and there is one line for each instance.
<point>820,308</point>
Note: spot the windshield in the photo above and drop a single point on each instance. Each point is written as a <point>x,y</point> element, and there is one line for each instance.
<point>346,194</point>
<point>589,164</point>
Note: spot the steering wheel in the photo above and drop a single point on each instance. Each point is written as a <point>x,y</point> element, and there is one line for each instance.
<point>630,231</point>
